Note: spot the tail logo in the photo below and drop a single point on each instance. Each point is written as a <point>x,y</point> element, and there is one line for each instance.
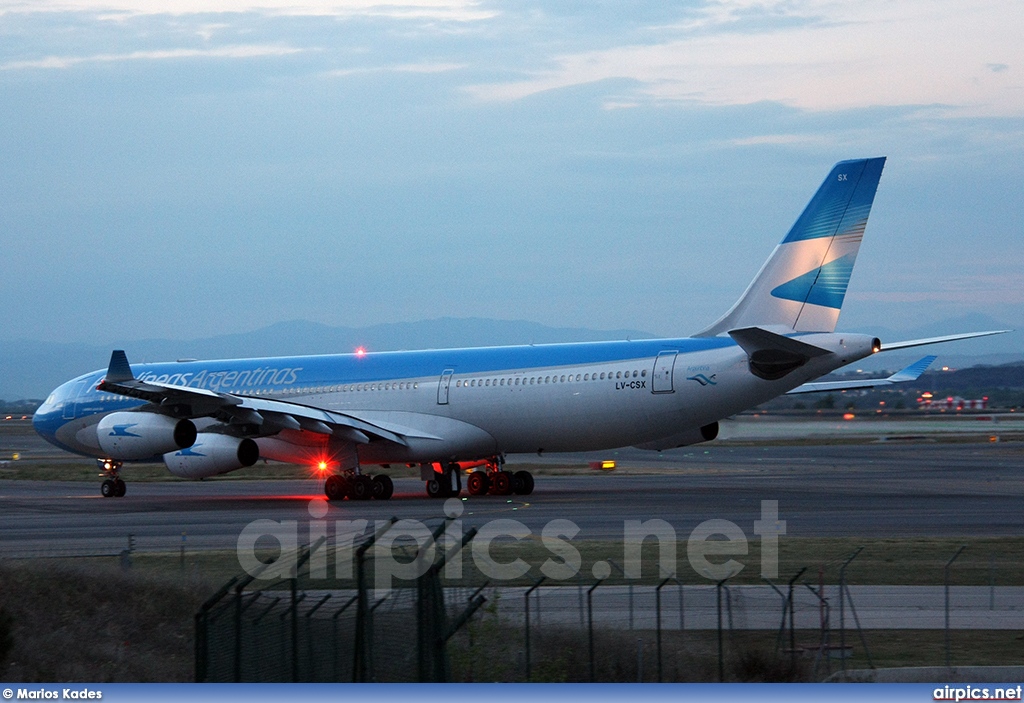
<point>824,286</point>
<point>704,380</point>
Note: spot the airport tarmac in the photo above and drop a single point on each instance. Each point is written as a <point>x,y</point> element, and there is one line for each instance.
<point>887,489</point>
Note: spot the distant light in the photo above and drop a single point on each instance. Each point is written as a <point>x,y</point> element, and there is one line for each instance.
<point>848,416</point>
<point>360,351</point>
<point>322,466</point>
<point>603,465</point>
<point>945,368</point>
<point>926,394</point>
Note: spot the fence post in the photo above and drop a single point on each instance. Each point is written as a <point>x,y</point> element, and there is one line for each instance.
<point>334,630</point>
<point>721,651</point>
<point>842,606</point>
<point>792,619</point>
<point>302,559</point>
<point>309,634</point>
<point>992,582</point>
<point>590,627</point>
<point>202,650</point>
<point>657,626</point>
<point>542,579</point>
<point>362,604</point>
<point>946,581</point>
<point>639,660</point>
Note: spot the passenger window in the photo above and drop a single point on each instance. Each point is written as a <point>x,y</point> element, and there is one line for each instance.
<point>644,372</point>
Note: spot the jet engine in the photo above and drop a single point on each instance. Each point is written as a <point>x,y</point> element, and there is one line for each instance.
<point>683,439</point>
<point>133,436</point>
<point>212,454</point>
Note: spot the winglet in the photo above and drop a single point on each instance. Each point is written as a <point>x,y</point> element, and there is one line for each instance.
<point>914,371</point>
<point>119,370</point>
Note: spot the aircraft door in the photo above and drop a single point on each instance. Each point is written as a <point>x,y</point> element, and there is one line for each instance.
<point>663,366</point>
<point>72,400</point>
<point>443,386</point>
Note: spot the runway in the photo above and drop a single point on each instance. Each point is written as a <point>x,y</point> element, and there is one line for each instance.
<point>870,490</point>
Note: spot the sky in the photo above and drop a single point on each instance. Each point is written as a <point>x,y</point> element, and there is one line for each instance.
<point>186,168</point>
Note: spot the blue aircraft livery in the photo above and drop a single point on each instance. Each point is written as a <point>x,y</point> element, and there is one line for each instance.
<point>457,413</point>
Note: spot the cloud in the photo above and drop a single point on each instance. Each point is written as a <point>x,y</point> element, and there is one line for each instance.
<point>401,68</point>
<point>228,52</point>
<point>812,55</point>
<point>454,10</point>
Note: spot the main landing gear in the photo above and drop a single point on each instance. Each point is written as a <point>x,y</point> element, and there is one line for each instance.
<point>358,486</point>
<point>112,486</point>
<point>489,478</point>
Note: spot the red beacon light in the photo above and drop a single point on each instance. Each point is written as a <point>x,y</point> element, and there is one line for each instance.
<point>360,352</point>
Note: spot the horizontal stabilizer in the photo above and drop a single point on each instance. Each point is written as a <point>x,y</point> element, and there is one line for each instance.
<point>889,346</point>
<point>772,355</point>
<point>910,373</point>
<point>755,339</point>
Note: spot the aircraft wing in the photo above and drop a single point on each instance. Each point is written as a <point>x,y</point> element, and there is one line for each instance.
<point>910,373</point>
<point>267,415</point>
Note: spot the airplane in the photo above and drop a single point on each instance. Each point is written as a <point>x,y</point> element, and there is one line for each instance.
<point>461,411</point>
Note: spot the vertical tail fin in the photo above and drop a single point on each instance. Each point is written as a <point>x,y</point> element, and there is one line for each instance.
<point>802,285</point>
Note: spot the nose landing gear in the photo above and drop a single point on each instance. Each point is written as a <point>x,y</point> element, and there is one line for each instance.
<point>112,486</point>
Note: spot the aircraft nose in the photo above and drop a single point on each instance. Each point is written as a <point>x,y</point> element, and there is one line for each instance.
<point>42,420</point>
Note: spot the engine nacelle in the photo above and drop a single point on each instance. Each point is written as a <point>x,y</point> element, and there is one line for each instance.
<point>683,439</point>
<point>132,436</point>
<point>212,454</point>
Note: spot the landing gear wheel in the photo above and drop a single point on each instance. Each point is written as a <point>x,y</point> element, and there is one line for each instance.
<point>435,489</point>
<point>501,483</point>
<point>383,487</point>
<point>362,488</point>
<point>108,488</point>
<point>478,483</point>
<point>522,483</point>
<point>119,488</point>
<point>335,487</point>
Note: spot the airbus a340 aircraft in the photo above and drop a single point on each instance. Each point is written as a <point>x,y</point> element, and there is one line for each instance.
<point>460,411</point>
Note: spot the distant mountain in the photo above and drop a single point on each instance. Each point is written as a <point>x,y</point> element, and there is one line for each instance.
<point>30,369</point>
